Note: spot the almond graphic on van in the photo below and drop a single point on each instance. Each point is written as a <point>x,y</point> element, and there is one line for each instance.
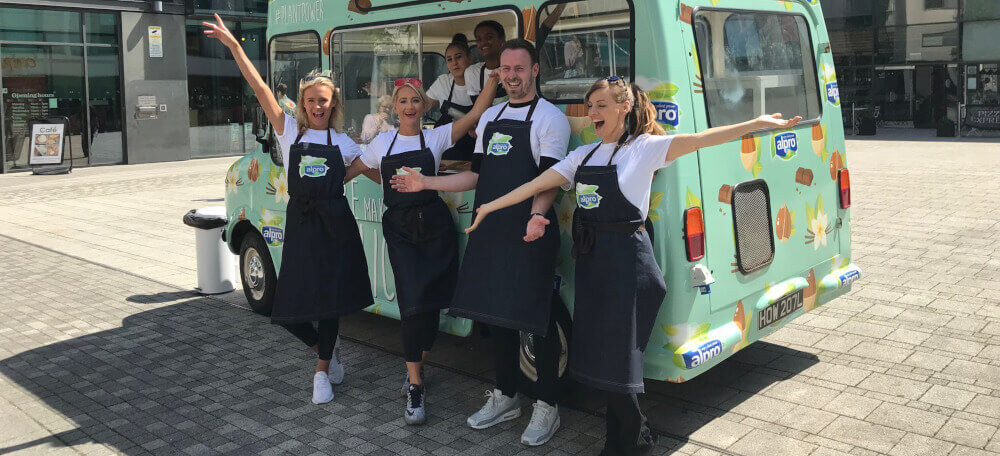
<point>750,154</point>
<point>809,295</point>
<point>819,141</point>
<point>784,224</point>
<point>836,162</point>
<point>253,171</point>
<point>726,194</point>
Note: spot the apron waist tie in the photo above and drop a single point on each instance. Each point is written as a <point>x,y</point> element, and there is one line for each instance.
<point>584,233</point>
<point>314,206</point>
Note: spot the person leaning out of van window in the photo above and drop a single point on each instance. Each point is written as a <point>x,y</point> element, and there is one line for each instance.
<point>449,95</point>
<point>614,310</point>
<point>418,228</point>
<point>490,36</point>
<point>324,274</point>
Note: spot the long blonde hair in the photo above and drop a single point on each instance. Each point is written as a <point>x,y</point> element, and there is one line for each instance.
<point>642,118</point>
<point>318,77</point>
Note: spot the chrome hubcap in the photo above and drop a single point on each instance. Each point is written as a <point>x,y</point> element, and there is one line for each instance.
<point>527,354</point>
<point>253,271</point>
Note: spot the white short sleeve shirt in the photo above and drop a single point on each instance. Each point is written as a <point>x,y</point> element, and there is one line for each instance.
<point>348,148</point>
<point>550,128</point>
<point>437,140</point>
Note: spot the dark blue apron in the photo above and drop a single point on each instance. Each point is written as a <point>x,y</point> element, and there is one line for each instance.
<point>420,236</point>
<point>501,92</point>
<point>323,273</point>
<point>619,286</point>
<point>464,148</point>
<point>503,280</point>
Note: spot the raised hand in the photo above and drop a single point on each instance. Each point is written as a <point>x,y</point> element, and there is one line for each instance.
<point>775,121</point>
<point>535,228</point>
<point>411,182</point>
<point>219,31</point>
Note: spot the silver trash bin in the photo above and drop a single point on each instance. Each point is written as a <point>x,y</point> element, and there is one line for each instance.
<point>216,264</point>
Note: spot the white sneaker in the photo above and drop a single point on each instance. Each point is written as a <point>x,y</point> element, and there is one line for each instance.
<point>322,389</point>
<point>415,413</point>
<point>498,408</point>
<point>336,370</point>
<point>543,425</point>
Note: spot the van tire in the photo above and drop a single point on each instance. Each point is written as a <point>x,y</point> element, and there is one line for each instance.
<point>529,375</point>
<point>257,273</point>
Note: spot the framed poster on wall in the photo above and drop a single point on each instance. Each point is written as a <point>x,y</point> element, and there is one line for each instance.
<point>47,141</point>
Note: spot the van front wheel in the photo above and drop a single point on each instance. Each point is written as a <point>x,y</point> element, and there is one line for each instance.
<point>257,273</point>
<point>526,352</point>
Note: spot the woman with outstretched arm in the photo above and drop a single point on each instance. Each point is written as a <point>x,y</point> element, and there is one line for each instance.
<point>324,274</point>
<point>619,286</point>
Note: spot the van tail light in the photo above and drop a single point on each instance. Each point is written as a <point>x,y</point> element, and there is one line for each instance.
<point>845,188</point>
<point>694,233</point>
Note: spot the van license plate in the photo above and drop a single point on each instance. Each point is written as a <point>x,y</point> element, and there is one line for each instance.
<point>780,309</point>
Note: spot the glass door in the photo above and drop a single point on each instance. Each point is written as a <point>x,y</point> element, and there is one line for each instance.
<point>41,81</point>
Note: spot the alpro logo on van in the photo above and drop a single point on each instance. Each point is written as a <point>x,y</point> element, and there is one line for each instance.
<point>499,144</point>
<point>668,112</point>
<point>586,196</point>
<point>310,166</point>
<point>786,145</point>
<point>704,352</point>
<point>273,235</point>
<point>833,92</point>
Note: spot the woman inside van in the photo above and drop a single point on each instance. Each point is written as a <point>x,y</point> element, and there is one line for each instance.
<point>449,95</point>
<point>418,228</point>
<point>619,286</point>
<point>324,274</point>
<point>490,36</point>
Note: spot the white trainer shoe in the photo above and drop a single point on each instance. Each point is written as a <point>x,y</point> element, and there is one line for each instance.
<point>322,389</point>
<point>336,370</point>
<point>498,408</point>
<point>543,425</point>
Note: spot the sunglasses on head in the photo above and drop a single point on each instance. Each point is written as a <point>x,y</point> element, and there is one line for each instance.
<point>319,76</point>
<point>412,81</point>
<point>613,79</point>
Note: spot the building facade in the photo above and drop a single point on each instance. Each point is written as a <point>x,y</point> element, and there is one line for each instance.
<point>911,63</point>
<point>136,79</point>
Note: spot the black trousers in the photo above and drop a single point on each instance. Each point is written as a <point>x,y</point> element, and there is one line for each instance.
<point>323,335</point>
<point>419,333</point>
<point>627,432</point>
<point>507,342</point>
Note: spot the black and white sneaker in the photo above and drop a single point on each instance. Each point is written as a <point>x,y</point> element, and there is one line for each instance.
<point>406,382</point>
<point>414,414</point>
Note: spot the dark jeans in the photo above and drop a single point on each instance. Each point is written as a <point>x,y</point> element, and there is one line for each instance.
<point>323,335</point>
<point>628,434</point>
<point>419,333</point>
<point>506,343</point>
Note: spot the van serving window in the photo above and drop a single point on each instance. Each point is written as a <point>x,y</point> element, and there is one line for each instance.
<point>582,41</point>
<point>290,58</point>
<point>755,63</point>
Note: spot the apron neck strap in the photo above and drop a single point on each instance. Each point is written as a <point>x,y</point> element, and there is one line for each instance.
<point>531,110</point>
<point>451,91</point>
<point>298,138</point>
<point>329,139</point>
<point>393,143</point>
<point>618,146</point>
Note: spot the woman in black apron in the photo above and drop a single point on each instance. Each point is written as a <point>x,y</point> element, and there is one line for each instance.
<point>449,95</point>
<point>418,228</point>
<point>613,180</point>
<point>490,37</point>
<point>324,274</point>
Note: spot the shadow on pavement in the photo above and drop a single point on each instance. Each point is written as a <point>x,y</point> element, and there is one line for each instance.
<point>161,297</point>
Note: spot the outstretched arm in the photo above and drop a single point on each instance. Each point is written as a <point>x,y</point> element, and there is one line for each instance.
<point>546,181</point>
<point>359,167</point>
<point>687,143</point>
<point>415,182</point>
<point>266,98</point>
<point>461,127</point>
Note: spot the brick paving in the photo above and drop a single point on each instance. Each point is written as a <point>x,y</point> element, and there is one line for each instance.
<point>907,364</point>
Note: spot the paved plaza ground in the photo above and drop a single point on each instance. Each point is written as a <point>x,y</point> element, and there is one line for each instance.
<point>104,348</point>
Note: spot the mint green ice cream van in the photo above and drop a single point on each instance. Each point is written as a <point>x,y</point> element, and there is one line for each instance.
<point>750,234</point>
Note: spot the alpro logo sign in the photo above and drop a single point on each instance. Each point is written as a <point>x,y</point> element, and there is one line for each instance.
<point>273,235</point>
<point>499,144</point>
<point>667,112</point>
<point>786,145</point>
<point>586,196</point>
<point>310,166</point>
<point>704,352</point>
<point>833,93</point>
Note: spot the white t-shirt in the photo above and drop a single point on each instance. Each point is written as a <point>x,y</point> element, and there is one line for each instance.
<point>440,88</point>
<point>437,140</point>
<point>550,129</point>
<point>348,148</point>
<point>472,83</point>
<point>637,162</point>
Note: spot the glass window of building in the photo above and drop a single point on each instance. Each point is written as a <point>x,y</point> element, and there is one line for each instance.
<point>20,24</point>
<point>761,63</point>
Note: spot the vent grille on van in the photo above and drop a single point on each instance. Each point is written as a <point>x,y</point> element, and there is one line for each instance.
<point>752,225</point>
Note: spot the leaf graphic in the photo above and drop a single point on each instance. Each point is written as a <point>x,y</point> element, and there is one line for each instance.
<point>792,217</point>
<point>702,330</point>
<point>670,330</point>
<point>654,216</point>
<point>692,200</point>
<point>589,134</point>
<point>655,199</point>
<point>697,64</point>
<point>819,203</point>
<point>582,189</point>
<point>663,91</point>
<point>810,213</point>
<point>757,168</point>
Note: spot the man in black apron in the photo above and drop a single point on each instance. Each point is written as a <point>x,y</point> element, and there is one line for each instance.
<point>505,281</point>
